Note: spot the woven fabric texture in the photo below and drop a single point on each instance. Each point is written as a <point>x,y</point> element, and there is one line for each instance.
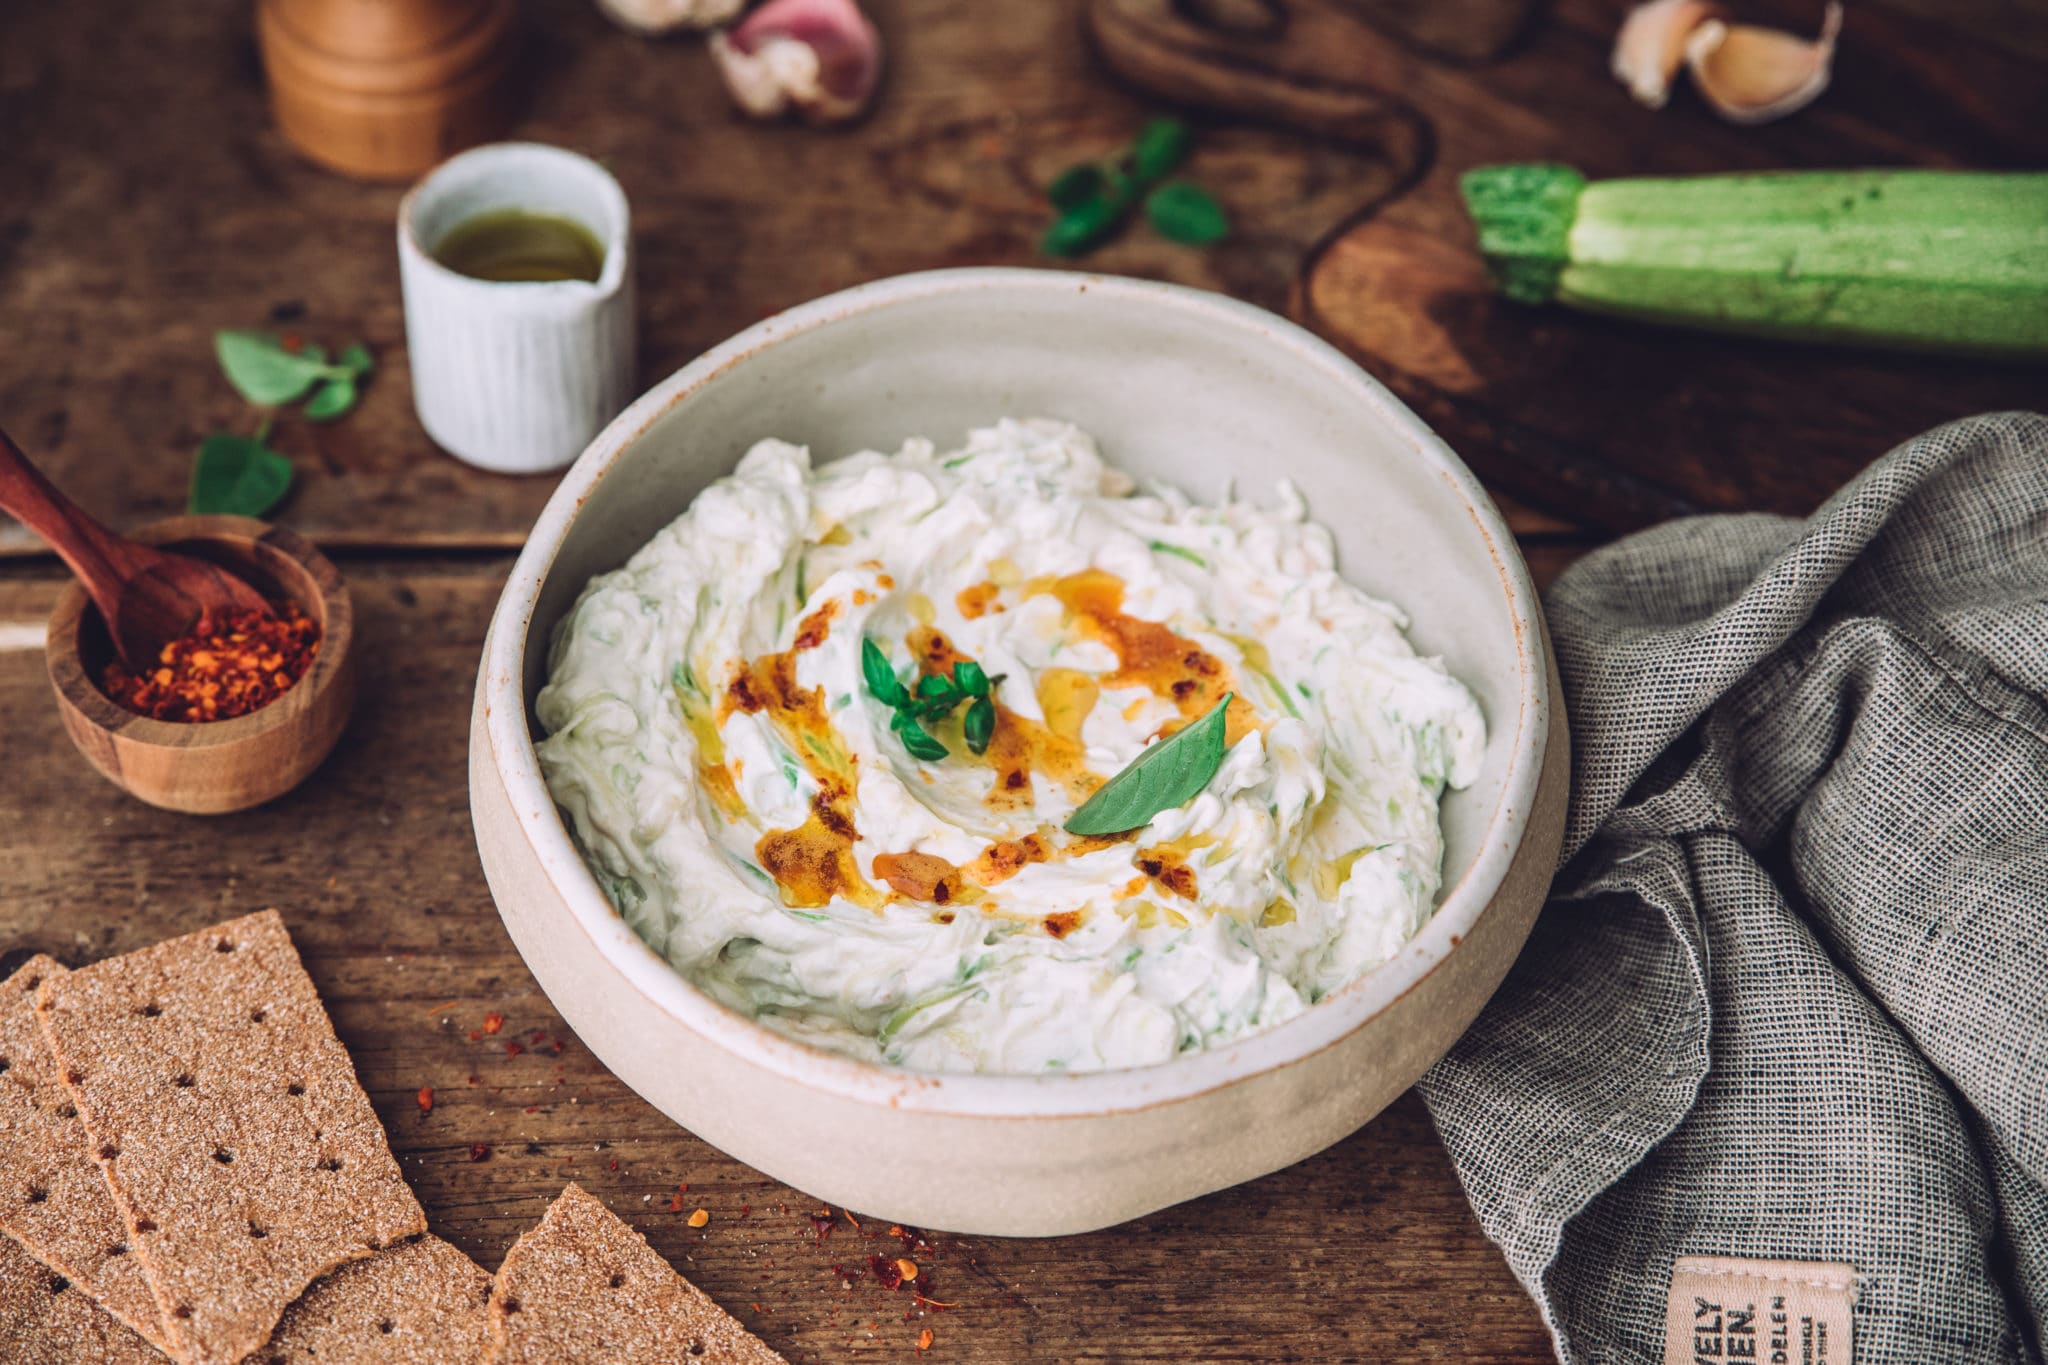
<point>1789,998</point>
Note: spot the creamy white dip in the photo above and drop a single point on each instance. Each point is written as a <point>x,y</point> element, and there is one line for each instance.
<point>738,791</point>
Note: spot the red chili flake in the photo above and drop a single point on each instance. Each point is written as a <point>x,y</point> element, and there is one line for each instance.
<point>822,1224</point>
<point>924,1341</point>
<point>746,1209</point>
<point>293,342</point>
<point>472,1080</point>
<point>426,1099</point>
<point>493,1022</point>
<point>675,1203</point>
<point>513,1049</point>
<point>883,1268</point>
<point>539,1035</point>
<point>558,1044</point>
<point>479,1151</point>
<point>535,1109</point>
<point>476,1036</point>
<point>223,667</point>
<point>615,1164</point>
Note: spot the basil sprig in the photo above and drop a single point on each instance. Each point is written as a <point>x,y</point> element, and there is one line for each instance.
<point>1094,199</point>
<point>238,475</point>
<point>936,696</point>
<point>1170,773</point>
<point>267,372</point>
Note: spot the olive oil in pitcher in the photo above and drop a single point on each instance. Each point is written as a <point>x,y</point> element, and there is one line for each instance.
<point>521,246</point>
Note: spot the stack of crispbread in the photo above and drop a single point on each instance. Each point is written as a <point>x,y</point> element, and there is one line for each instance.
<point>189,1169</point>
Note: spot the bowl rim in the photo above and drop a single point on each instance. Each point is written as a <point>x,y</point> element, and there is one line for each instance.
<point>503,712</point>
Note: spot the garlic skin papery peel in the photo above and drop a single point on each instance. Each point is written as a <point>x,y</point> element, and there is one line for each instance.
<point>1651,46</point>
<point>666,16</point>
<point>822,58</point>
<point>1745,73</point>
<point>1755,75</point>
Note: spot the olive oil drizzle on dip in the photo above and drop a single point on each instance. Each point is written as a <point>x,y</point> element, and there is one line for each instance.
<point>744,788</point>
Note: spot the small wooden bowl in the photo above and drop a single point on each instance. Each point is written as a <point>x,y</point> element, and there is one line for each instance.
<point>212,767</point>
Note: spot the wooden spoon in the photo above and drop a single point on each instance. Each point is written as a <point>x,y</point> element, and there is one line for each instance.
<point>147,597</point>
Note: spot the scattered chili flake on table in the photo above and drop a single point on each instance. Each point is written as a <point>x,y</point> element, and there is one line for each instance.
<point>223,667</point>
<point>513,1049</point>
<point>426,1099</point>
<point>493,1022</point>
<point>479,1151</point>
<point>924,1341</point>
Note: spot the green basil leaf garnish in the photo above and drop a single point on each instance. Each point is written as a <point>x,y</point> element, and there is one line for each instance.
<point>881,678</point>
<point>920,745</point>
<point>1170,773</point>
<point>980,725</point>
<point>969,678</point>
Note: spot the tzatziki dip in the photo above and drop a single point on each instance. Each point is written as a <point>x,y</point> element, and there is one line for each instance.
<point>823,738</point>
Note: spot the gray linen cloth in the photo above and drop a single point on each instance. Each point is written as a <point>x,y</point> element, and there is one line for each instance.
<point>1789,998</point>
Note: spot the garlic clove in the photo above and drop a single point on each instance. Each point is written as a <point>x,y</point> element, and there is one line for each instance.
<point>822,58</point>
<point>1754,75</point>
<point>1651,44</point>
<point>664,16</point>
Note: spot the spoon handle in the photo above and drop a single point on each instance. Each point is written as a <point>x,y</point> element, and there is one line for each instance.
<point>100,559</point>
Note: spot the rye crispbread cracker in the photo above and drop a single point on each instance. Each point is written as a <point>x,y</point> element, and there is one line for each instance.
<point>53,1199</point>
<point>585,1286</point>
<point>418,1303</point>
<point>46,1319</point>
<point>241,1153</point>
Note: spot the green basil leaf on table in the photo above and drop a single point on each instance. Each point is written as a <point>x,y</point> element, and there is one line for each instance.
<point>331,400</point>
<point>1185,212</point>
<point>1082,226</point>
<point>1162,144</point>
<point>1169,774</point>
<point>237,476</point>
<point>1075,186</point>
<point>263,371</point>
<point>980,725</point>
<point>881,678</point>
<point>356,360</point>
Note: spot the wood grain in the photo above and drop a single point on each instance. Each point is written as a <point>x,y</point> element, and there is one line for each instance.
<point>149,201</point>
<point>224,765</point>
<point>1364,1253</point>
<point>1612,424</point>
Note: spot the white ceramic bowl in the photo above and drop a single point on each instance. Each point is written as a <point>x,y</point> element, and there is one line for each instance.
<point>1186,385</point>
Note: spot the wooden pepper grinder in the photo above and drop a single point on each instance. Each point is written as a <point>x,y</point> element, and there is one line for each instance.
<point>387,89</point>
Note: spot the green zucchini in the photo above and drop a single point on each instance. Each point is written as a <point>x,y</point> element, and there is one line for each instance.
<point>1911,260</point>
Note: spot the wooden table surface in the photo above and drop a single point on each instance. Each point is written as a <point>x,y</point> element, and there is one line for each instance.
<point>146,201</point>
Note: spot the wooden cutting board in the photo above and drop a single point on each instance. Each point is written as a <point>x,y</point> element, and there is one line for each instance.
<point>1608,424</point>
